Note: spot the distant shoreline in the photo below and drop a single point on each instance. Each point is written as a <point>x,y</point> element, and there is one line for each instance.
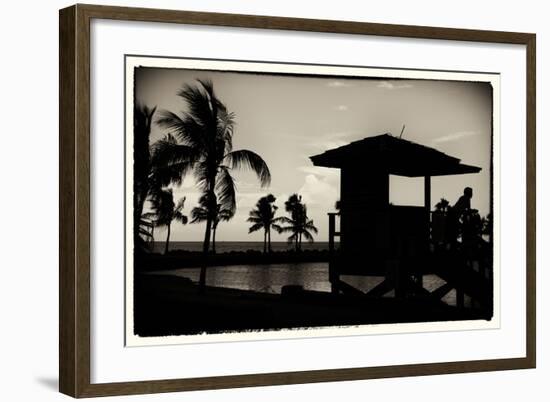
<point>238,246</point>
<point>178,259</point>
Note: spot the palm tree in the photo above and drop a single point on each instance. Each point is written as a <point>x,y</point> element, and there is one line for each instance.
<point>263,217</point>
<point>200,214</point>
<point>487,225</point>
<point>294,206</point>
<point>202,142</point>
<point>298,224</point>
<point>143,117</point>
<point>165,211</point>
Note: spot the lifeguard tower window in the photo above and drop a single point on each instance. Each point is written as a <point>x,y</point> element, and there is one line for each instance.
<point>407,191</point>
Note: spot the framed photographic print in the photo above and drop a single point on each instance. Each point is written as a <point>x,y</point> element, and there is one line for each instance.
<point>249,200</point>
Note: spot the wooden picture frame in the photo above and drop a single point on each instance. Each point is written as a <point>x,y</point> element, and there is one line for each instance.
<point>75,200</point>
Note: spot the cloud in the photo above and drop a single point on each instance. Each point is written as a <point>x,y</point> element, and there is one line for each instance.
<point>393,85</point>
<point>316,191</point>
<point>330,140</point>
<point>455,136</point>
<point>327,174</point>
<point>309,169</point>
<point>338,84</point>
<point>342,108</point>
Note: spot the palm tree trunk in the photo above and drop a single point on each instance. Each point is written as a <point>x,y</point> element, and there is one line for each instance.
<point>207,233</point>
<point>167,239</point>
<point>269,239</point>
<point>214,240</point>
<point>205,248</point>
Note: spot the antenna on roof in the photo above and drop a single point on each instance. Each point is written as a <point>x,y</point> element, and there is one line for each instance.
<point>403,129</point>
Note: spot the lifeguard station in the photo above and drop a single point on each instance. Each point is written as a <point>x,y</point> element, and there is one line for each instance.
<point>376,237</point>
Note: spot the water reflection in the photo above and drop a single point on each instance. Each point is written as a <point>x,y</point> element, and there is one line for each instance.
<point>270,278</point>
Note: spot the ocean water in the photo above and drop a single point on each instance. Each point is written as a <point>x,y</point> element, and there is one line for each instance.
<point>228,246</point>
<point>270,278</point>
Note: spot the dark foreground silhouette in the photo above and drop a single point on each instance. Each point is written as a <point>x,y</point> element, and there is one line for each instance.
<point>168,305</point>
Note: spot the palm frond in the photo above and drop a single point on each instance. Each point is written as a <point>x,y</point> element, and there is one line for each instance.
<point>244,158</point>
<point>285,220</point>
<point>307,235</point>
<point>289,229</point>
<point>199,214</point>
<point>225,190</point>
<point>255,214</point>
<point>310,226</point>
<point>178,216</point>
<point>162,176</point>
<point>144,232</point>
<point>171,161</point>
<point>226,125</point>
<point>170,120</point>
<point>186,128</point>
<point>202,175</point>
<point>208,88</point>
<point>225,214</point>
<point>162,204</point>
<point>255,227</point>
<point>199,99</point>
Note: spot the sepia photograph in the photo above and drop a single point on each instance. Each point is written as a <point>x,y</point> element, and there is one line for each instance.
<point>269,199</point>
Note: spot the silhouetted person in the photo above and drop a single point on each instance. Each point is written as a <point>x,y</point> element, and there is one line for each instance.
<point>463,203</point>
<point>456,212</point>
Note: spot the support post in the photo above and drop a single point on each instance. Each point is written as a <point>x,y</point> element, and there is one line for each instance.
<point>427,198</point>
<point>427,208</point>
<point>332,269</point>
<point>331,231</point>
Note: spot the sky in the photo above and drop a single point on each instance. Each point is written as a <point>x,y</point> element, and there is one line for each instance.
<point>286,119</point>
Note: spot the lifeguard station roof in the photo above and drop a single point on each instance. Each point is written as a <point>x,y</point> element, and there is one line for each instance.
<point>395,156</point>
